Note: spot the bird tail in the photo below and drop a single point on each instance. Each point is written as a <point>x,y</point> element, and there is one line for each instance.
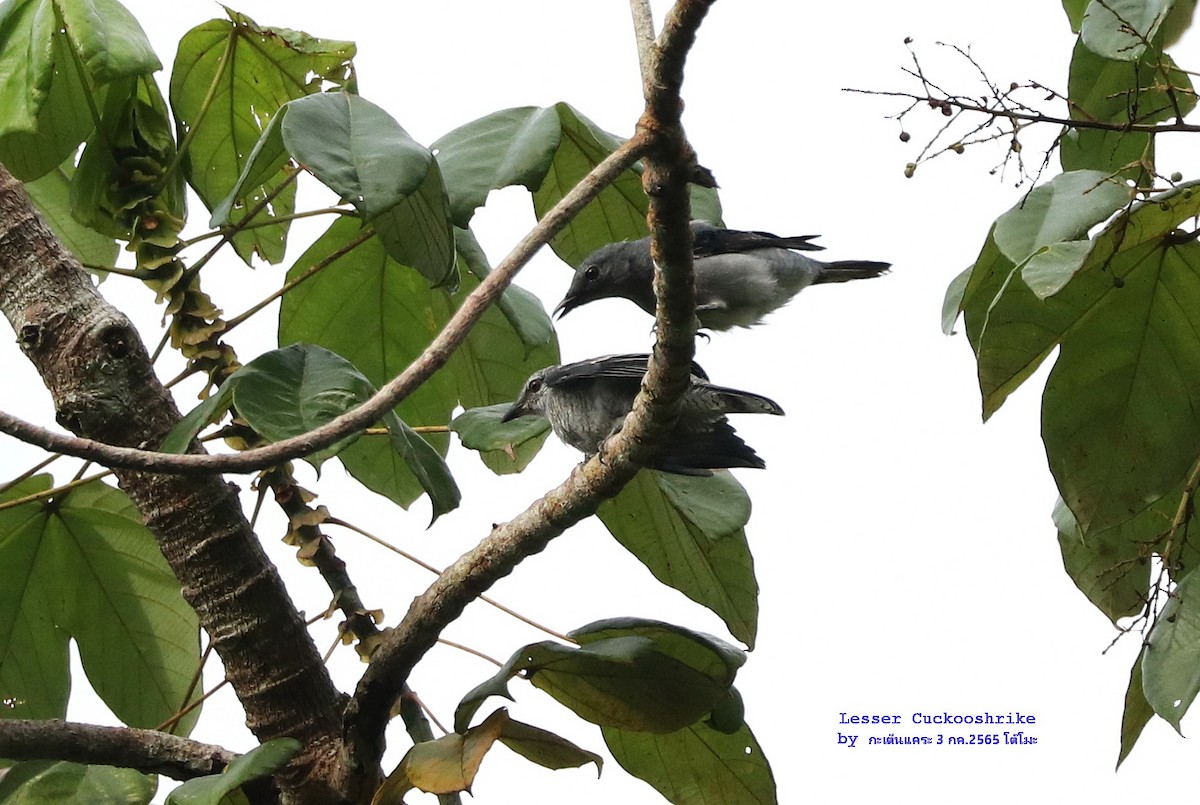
<point>701,452</point>
<point>734,401</point>
<point>846,270</point>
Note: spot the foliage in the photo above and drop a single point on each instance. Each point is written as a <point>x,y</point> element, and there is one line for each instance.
<point>250,109</point>
<point>1097,264</point>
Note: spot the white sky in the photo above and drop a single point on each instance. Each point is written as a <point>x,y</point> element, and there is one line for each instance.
<point>905,552</point>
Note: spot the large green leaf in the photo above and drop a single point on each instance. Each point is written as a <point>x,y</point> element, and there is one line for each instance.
<point>42,782</point>
<point>509,147</point>
<point>379,316</point>
<point>362,154</point>
<point>260,761</point>
<point>617,213</point>
<point>1171,657</point>
<point>634,675</point>
<point>55,58</point>
<point>290,391</point>
<point>1114,91</point>
<point>697,765</point>
<point>1012,327</point>
<point>1121,29</point>
<point>83,565</point>
<point>710,655</point>
<point>229,80</point>
<point>688,532</point>
<point>34,664</point>
<point>549,150</point>
<point>293,390</point>
<point>1126,387</point>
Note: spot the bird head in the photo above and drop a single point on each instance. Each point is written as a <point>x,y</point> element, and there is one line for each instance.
<point>618,269</point>
<point>532,400</point>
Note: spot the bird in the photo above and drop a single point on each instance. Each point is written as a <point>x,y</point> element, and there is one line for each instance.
<point>588,401</point>
<point>741,276</point>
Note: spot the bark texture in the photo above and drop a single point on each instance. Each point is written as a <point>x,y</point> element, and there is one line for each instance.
<point>104,388</point>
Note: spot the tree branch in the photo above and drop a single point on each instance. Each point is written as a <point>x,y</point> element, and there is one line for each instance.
<point>370,412</point>
<point>146,751</point>
<point>669,166</point>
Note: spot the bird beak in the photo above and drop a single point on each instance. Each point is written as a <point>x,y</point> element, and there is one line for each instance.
<point>569,303</point>
<point>516,412</point>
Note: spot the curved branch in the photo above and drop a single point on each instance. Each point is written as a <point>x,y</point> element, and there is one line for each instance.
<point>669,165</point>
<point>146,751</point>
<point>367,414</point>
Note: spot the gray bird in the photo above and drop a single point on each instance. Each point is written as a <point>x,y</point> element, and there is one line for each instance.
<point>740,276</point>
<point>588,401</point>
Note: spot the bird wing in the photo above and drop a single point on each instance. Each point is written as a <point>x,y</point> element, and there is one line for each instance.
<point>708,240</point>
<point>615,367</point>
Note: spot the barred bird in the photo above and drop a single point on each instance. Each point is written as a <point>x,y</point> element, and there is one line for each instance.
<point>588,401</point>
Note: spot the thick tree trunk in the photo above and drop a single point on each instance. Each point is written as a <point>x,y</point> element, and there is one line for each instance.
<point>104,388</point>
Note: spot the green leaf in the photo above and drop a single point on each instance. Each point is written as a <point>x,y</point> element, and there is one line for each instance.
<point>697,765</point>
<point>1121,29</point>
<point>1063,209</point>
<point>1113,91</point>
<point>83,565</point>
<point>1137,710</point>
<point>229,81</point>
<point>1171,656</point>
<point>260,761</point>
<point>729,715</point>
<point>504,446</point>
<point>622,681</point>
<point>548,150</point>
<point>426,464</point>
<point>509,147</point>
<point>44,48</point>
<point>545,748</point>
<point>51,194</point>
<point>710,655</point>
<point>108,39</point>
<point>379,316</point>
<point>34,664</point>
<point>1074,10</point>
<point>64,108</point>
<point>953,301</point>
<point>1010,327</point>
<point>688,533</point>
<point>1048,270</point>
<point>35,782</point>
<point>510,342</point>
<point>1111,567</point>
<point>290,391</point>
<point>357,150</point>
<point>524,312</point>
<point>617,213</point>
<point>206,413</point>
<point>1126,386</point>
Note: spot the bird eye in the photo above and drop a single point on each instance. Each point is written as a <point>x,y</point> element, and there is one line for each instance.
<point>535,384</point>
<point>591,273</point>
